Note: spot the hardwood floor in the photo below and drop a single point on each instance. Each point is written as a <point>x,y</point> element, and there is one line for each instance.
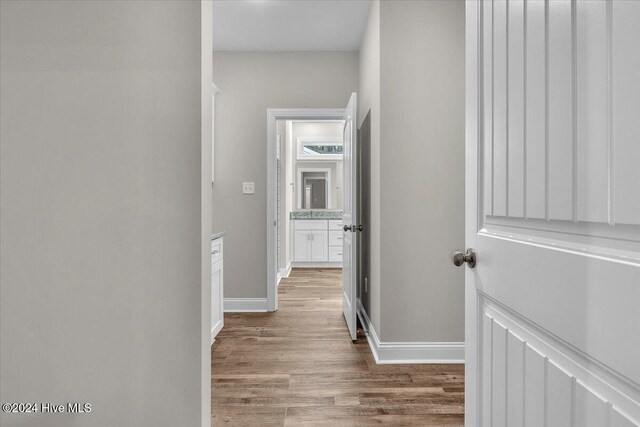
<point>298,366</point>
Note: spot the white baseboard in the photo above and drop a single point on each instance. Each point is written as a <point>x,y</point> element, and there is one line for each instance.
<point>409,352</point>
<point>317,264</point>
<point>245,305</point>
<point>283,272</point>
<point>214,330</point>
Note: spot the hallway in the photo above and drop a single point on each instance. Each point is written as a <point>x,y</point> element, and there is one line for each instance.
<point>297,366</point>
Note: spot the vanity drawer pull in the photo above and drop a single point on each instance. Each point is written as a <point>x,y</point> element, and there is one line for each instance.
<point>335,238</point>
<point>335,253</point>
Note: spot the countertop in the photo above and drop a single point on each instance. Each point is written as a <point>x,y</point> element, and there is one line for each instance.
<point>218,235</point>
<point>316,214</point>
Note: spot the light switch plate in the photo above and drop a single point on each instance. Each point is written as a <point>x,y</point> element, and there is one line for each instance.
<point>248,188</point>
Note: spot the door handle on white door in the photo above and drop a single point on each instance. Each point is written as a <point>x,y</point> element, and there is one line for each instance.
<point>460,258</point>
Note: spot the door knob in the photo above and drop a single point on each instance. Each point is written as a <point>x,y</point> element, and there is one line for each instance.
<point>360,227</point>
<point>346,228</point>
<point>460,258</point>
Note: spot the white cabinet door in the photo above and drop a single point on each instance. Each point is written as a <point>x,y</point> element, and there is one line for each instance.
<point>217,295</point>
<point>302,245</point>
<point>319,246</point>
<point>553,213</point>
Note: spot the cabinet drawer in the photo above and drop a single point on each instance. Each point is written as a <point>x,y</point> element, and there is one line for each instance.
<point>335,238</point>
<point>310,224</point>
<point>335,253</point>
<point>335,224</point>
<point>216,250</point>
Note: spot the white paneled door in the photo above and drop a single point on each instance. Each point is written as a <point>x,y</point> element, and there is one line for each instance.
<point>553,213</point>
<point>350,241</point>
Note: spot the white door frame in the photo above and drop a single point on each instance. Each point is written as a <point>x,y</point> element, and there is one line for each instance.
<point>472,136</point>
<point>273,115</point>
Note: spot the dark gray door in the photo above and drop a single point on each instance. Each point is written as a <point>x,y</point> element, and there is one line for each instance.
<point>364,208</point>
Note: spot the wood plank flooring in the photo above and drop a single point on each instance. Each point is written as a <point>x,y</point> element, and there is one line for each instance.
<point>298,367</point>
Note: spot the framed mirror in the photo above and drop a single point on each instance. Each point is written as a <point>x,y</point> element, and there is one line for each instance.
<point>314,188</point>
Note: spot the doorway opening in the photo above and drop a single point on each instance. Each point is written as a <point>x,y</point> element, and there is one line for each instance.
<point>304,192</point>
<point>325,141</point>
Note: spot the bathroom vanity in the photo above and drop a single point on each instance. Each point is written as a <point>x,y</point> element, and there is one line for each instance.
<point>316,238</point>
<point>217,284</point>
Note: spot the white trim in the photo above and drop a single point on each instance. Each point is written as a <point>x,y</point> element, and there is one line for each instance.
<point>317,121</point>
<point>215,329</point>
<point>245,305</point>
<point>300,184</point>
<point>287,270</point>
<point>302,264</point>
<point>214,92</point>
<point>386,353</point>
<point>273,115</point>
<point>284,272</point>
<point>473,138</point>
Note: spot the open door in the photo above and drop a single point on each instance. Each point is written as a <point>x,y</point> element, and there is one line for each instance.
<point>349,217</point>
<point>552,214</point>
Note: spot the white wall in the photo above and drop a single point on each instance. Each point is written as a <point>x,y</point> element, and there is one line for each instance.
<point>100,211</point>
<point>283,258</point>
<point>289,190</point>
<point>318,129</point>
<point>422,170</point>
<point>250,83</point>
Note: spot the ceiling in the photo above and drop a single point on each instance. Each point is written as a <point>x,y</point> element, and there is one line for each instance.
<point>289,25</point>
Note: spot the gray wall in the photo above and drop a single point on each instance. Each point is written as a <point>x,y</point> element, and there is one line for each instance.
<point>369,99</point>
<point>422,170</point>
<point>250,83</point>
<point>100,265</point>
